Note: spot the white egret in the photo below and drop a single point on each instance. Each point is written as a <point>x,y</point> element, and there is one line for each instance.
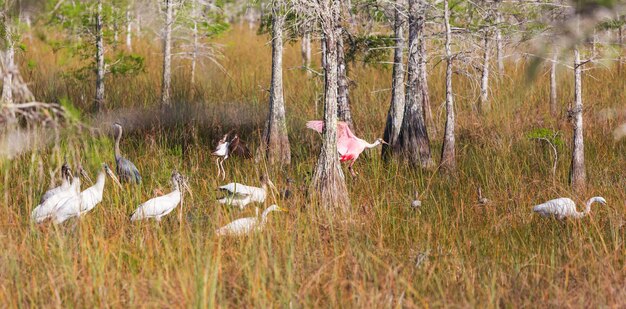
<point>87,200</point>
<point>565,207</point>
<point>242,195</point>
<point>66,175</point>
<point>48,208</point>
<point>221,152</point>
<point>159,207</point>
<point>246,225</point>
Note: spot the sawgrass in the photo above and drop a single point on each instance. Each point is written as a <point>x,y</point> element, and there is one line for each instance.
<point>450,253</point>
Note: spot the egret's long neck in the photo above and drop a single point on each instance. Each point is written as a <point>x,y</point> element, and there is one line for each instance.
<point>372,145</point>
<point>264,215</point>
<point>118,137</point>
<point>588,205</point>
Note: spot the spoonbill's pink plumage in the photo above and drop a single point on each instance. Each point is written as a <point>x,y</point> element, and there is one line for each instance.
<point>349,146</point>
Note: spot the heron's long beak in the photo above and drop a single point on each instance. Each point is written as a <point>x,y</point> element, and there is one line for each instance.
<point>114,178</point>
<point>84,174</point>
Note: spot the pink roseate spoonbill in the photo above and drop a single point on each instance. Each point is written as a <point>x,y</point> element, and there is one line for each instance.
<point>159,207</point>
<point>348,145</point>
<point>565,207</point>
<point>126,170</point>
<point>244,226</point>
<point>221,152</point>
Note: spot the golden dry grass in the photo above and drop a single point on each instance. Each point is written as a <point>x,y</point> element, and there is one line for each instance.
<point>469,256</point>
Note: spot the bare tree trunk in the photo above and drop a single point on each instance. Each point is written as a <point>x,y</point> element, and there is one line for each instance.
<point>484,105</point>
<point>553,94</point>
<point>129,31</point>
<point>167,55</point>
<point>448,153</point>
<point>343,91</point>
<point>275,143</point>
<point>578,175</point>
<point>413,140</point>
<point>620,40</point>
<point>99,104</point>
<point>306,51</point>
<point>428,114</point>
<point>499,49</point>
<point>194,53</point>
<point>328,183</point>
<point>9,67</point>
<point>324,52</point>
<point>396,109</point>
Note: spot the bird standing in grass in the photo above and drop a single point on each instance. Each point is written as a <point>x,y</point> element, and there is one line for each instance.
<point>237,148</point>
<point>87,200</point>
<point>565,207</point>
<point>159,207</point>
<point>349,146</point>
<point>126,170</point>
<point>244,226</point>
<point>242,195</point>
<point>66,175</point>
<point>221,152</point>
<point>48,208</point>
<point>416,203</point>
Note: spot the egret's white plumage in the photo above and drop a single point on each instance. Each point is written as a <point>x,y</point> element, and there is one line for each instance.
<point>241,195</point>
<point>159,207</point>
<point>66,175</point>
<point>87,200</point>
<point>244,226</point>
<point>565,207</point>
<point>48,208</point>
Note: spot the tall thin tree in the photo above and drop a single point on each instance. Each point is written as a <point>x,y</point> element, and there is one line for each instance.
<point>343,90</point>
<point>275,142</point>
<point>483,104</point>
<point>553,93</point>
<point>413,141</point>
<point>578,175</point>
<point>448,153</point>
<point>100,71</point>
<point>167,54</point>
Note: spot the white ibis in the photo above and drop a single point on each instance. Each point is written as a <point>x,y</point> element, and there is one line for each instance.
<point>159,207</point>
<point>242,195</point>
<point>126,170</point>
<point>244,226</point>
<point>221,152</point>
<point>87,200</point>
<point>565,207</point>
<point>348,145</point>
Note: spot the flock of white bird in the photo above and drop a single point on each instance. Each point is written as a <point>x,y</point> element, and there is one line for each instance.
<point>67,201</point>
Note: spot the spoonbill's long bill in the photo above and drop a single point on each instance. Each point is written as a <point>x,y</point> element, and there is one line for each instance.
<point>348,145</point>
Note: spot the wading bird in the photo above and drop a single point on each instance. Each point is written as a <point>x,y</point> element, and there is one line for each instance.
<point>416,203</point>
<point>565,207</point>
<point>246,225</point>
<point>242,195</point>
<point>238,148</point>
<point>481,199</point>
<point>348,145</point>
<point>159,207</point>
<point>221,152</point>
<point>47,209</point>
<point>66,175</point>
<point>87,200</point>
<point>126,170</point>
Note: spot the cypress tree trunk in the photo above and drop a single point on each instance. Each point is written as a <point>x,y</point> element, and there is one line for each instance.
<point>99,101</point>
<point>275,141</point>
<point>484,104</point>
<point>167,55</point>
<point>194,53</point>
<point>129,27</point>
<point>499,51</point>
<point>428,115</point>
<point>306,51</point>
<point>413,142</point>
<point>448,153</point>
<point>328,183</point>
<point>396,108</point>
<point>553,94</point>
<point>577,172</point>
<point>343,92</point>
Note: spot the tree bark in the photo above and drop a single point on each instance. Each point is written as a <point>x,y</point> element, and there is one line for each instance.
<point>499,48</point>
<point>194,53</point>
<point>306,51</point>
<point>396,109</point>
<point>324,52</point>
<point>167,55</point>
<point>620,40</point>
<point>129,31</point>
<point>99,101</point>
<point>577,173</point>
<point>413,141</point>
<point>428,114</point>
<point>553,94</point>
<point>448,153</point>
<point>483,104</point>
<point>328,183</point>
<point>343,91</point>
<point>275,141</point>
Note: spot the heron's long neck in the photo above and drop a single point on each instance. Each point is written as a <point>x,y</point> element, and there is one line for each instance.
<point>588,205</point>
<point>117,143</point>
<point>372,145</point>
